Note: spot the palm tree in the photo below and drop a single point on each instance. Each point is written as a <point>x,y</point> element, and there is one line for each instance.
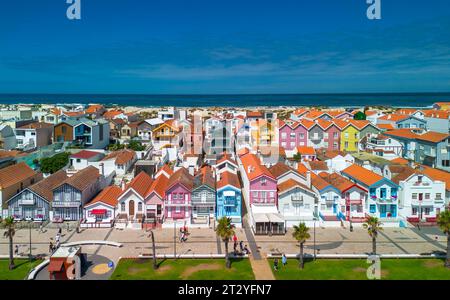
<point>225,230</point>
<point>444,223</point>
<point>8,224</point>
<point>301,234</point>
<point>373,226</point>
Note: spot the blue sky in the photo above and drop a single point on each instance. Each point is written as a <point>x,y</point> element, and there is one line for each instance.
<point>224,47</point>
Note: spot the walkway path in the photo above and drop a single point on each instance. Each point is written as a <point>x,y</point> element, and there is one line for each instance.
<point>260,265</point>
<point>261,268</point>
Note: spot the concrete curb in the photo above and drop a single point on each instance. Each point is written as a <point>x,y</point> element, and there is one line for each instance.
<point>36,269</point>
<point>359,256</point>
<point>105,243</point>
<point>193,256</point>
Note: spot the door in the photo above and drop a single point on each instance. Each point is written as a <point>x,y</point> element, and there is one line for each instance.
<point>131,208</point>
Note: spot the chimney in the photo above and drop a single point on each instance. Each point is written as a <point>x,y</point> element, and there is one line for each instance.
<point>102,165</point>
<point>308,178</point>
<point>123,185</point>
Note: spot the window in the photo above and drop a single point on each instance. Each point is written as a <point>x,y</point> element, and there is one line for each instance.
<point>335,135</point>
<point>346,145</point>
<point>177,209</point>
<point>427,196</point>
<point>414,211</point>
<point>263,181</point>
<point>438,196</point>
<point>414,196</point>
<point>427,210</point>
<point>446,163</point>
<point>140,206</point>
<point>293,135</point>
<point>373,208</point>
<point>283,135</point>
<point>122,206</point>
<point>302,135</point>
<point>78,196</point>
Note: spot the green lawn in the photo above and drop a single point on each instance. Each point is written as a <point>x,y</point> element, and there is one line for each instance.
<point>21,270</point>
<point>183,269</point>
<point>355,269</point>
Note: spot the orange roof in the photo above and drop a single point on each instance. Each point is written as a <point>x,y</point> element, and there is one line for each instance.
<point>300,111</point>
<point>369,112</point>
<point>436,174</point>
<point>94,108</point>
<point>318,165</point>
<point>302,169</point>
<point>290,184</point>
<point>314,114</point>
<point>253,167</point>
<point>109,196</point>
<point>362,174</point>
<point>340,123</point>
<point>55,111</point>
<point>36,125</point>
<point>386,126</point>
<point>393,117</point>
<point>439,114</point>
<point>83,178</point>
<point>159,186</point>
<point>338,181</point>
<point>14,174</point>
<point>406,111</point>
<point>399,161</point>
<point>141,184</point>
<point>183,177</point>
<point>432,136</point>
<point>243,151</point>
<point>122,156</point>
<point>324,124</point>
<point>166,169</point>
<point>254,114</point>
<point>308,124</point>
<point>403,133</point>
<point>227,178</point>
<point>73,113</point>
<point>226,157</point>
<point>305,150</point>
<point>318,182</point>
<point>111,114</point>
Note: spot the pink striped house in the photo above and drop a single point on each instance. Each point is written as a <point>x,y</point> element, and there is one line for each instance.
<point>294,134</point>
<point>177,204</point>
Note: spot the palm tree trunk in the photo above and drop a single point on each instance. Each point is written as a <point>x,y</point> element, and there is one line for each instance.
<point>447,261</point>
<point>302,263</point>
<point>155,265</point>
<point>227,258</point>
<point>374,245</point>
<point>11,256</point>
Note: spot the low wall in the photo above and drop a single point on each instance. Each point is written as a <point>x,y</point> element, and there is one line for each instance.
<point>358,256</point>
<point>106,243</point>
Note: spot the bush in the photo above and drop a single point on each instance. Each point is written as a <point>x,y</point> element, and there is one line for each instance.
<point>54,163</point>
<point>136,146</point>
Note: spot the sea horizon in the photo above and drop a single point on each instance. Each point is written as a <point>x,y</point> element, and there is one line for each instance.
<point>420,99</point>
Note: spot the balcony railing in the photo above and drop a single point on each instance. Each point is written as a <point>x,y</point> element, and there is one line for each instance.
<point>66,204</point>
<point>26,202</point>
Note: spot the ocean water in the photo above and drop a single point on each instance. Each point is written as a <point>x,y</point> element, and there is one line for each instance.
<point>330,100</point>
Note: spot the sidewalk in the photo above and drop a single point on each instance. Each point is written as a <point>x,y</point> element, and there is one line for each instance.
<point>261,269</point>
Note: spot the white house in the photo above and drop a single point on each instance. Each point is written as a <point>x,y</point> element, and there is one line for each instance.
<point>101,211</point>
<point>421,198</point>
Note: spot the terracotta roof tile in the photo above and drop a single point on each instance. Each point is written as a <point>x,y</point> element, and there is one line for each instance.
<point>108,196</point>
<point>362,174</point>
<point>227,178</point>
<point>181,176</point>
<point>305,150</point>
<point>400,161</point>
<point>44,188</point>
<point>83,178</point>
<point>122,156</point>
<point>85,154</point>
<point>14,174</point>
<point>141,184</point>
<point>290,184</point>
<point>253,168</point>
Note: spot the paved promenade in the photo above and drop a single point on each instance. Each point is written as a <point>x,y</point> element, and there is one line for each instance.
<point>204,241</point>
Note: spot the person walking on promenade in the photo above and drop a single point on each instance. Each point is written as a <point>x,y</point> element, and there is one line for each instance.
<point>284,260</point>
<point>275,264</point>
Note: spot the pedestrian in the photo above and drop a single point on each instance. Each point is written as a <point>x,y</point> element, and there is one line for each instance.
<point>16,250</point>
<point>68,227</point>
<point>59,230</point>
<point>41,228</point>
<point>241,245</point>
<point>235,239</point>
<point>246,250</point>
<point>57,245</point>
<point>275,264</point>
<point>284,260</point>
<point>50,248</point>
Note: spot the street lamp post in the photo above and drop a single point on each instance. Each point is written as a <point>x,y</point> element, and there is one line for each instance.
<point>30,254</point>
<point>174,240</point>
<point>314,238</point>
